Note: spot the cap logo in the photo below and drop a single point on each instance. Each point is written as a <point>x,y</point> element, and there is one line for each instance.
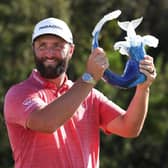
<point>50,26</point>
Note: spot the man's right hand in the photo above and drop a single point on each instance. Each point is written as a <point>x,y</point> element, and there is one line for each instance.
<point>97,63</point>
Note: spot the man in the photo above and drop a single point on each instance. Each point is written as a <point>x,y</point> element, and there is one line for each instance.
<point>53,122</point>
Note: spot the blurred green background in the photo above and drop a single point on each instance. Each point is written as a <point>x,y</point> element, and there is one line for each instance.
<point>17,19</point>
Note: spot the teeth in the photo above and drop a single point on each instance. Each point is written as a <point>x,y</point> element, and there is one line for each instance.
<point>50,61</point>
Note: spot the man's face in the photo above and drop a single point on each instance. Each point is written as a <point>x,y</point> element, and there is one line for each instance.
<point>52,55</point>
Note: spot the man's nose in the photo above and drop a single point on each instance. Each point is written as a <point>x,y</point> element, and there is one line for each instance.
<point>50,52</point>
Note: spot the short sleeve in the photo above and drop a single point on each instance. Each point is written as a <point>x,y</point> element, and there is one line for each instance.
<point>107,110</point>
<point>19,104</point>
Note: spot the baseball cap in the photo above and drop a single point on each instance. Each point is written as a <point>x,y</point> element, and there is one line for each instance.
<point>52,26</point>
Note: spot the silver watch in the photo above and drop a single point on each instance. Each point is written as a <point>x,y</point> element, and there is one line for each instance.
<point>88,78</point>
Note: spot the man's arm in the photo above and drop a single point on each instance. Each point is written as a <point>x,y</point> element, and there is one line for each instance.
<point>130,124</point>
<point>49,118</point>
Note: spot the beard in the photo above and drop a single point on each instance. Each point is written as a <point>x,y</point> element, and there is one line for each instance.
<point>51,71</point>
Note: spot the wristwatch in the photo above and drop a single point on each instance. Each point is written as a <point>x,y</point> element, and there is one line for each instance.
<point>88,78</point>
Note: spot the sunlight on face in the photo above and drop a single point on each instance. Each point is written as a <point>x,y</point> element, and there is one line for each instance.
<point>52,55</point>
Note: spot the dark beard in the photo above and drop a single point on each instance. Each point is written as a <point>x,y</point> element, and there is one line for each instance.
<point>51,71</point>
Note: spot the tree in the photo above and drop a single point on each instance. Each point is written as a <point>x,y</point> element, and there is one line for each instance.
<point>17,20</point>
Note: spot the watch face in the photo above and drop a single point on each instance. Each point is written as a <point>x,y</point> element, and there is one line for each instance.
<point>88,78</point>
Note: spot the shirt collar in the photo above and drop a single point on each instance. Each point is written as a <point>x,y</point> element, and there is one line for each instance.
<point>47,84</point>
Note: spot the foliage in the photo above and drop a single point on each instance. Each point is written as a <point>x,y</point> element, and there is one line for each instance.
<point>16,24</point>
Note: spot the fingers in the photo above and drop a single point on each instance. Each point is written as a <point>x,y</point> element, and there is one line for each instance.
<point>97,63</point>
<point>101,61</point>
<point>147,67</point>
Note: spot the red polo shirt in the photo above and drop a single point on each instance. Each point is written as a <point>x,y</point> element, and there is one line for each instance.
<point>74,145</point>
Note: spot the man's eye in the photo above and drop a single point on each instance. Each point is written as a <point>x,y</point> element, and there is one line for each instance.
<point>42,47</point>
<point>56,46</point>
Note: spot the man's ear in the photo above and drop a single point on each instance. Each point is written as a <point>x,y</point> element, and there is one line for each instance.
<point>33,50</point>
<point>71,50</point>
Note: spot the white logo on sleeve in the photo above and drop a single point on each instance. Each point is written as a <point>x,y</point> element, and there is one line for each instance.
<point>33,102</point>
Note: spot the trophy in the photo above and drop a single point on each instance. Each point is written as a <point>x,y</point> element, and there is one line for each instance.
<point>133,47</point>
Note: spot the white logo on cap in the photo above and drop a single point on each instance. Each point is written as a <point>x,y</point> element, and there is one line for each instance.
<point>50,26</point>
